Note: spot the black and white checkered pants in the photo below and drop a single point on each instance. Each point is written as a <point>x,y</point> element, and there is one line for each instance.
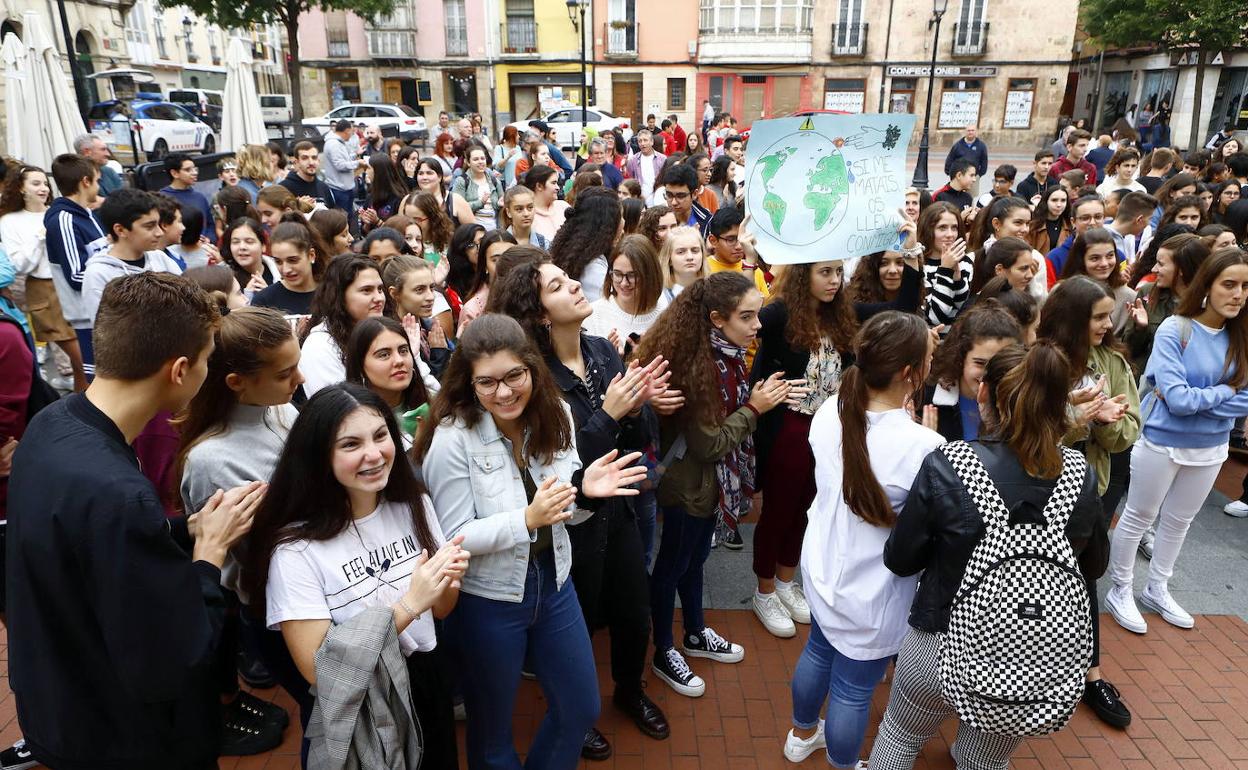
<point>917,708</point>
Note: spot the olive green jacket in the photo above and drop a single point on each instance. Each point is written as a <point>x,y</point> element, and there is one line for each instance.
<point>1104,440</point>
<point>690,479</point>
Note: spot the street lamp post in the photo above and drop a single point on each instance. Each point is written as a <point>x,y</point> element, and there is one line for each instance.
<point>920,167</point>
<point>576,7</point>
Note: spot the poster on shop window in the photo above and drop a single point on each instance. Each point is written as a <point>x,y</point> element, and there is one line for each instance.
<point>821,187</point>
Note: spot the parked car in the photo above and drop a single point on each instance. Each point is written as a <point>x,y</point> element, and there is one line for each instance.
<point>567,124</point>
<point>407,122</point>
<point>203,104</point>
<point>159,128</point>
<point>275,108</point>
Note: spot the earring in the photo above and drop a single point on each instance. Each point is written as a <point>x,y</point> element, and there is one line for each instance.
<point>1204,302</point>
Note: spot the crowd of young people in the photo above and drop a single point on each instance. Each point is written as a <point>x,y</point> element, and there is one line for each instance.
<point>410,447</point>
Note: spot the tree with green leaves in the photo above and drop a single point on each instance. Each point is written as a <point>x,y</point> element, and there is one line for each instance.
<point>1191,26</point>
<point>236,14</point>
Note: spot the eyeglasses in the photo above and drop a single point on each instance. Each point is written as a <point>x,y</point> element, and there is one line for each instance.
<point>624,279</point>
<point>677,196</point>
<point>488,386</point>
<point>472,246</point>
<point>731,240</point>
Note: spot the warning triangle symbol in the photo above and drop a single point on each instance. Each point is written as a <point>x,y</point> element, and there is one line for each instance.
<point>807,125</point>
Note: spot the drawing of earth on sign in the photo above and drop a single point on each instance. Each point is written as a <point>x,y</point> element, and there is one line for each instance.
<point>800,185</point>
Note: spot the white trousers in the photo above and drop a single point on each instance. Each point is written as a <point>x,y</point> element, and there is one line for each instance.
<point>1158,485</point>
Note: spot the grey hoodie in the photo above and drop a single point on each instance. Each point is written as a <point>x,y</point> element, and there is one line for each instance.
<point>104,267</point>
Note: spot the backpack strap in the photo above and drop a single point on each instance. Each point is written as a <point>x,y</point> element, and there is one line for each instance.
<point>974,476</point>
<point>1066,492</point>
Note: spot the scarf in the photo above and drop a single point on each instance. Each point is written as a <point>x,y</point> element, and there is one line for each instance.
<point>735,470</point>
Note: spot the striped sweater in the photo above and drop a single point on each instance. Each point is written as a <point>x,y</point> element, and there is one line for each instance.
<point>946,296</point>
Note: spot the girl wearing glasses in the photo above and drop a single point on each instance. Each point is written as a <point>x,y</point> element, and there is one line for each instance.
<point>608,402</point>
<point>350,528</point>
<point>632,297</point>
<point>501,458</point>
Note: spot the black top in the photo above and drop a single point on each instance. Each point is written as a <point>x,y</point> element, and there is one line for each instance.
<point>1030,186</point>
<point>315,189</point>
<point>948,417</point>
<point>1151,183</point>
<point>775,354</point>
<point>289,302</point>
<point>960,198</point>
<point>597,433</point>
<point>940,525</point>
<point>112,629</point>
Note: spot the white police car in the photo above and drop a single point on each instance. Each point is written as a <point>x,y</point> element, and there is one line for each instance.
<point>159,128</point>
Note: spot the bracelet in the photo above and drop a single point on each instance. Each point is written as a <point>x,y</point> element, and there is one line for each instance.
<point>415,615</point>
<point>915,251</point>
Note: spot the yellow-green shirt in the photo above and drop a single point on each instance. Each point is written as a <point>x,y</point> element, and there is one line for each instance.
<point>760,281</point>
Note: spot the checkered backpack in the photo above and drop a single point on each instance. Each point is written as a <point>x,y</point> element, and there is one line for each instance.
<point>1019,642</point>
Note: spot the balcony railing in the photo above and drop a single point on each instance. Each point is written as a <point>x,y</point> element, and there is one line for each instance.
<point>621,37</point>
<point>849,39</point>
<point>970,39</point>
<point>391,44</point>
<point>519,35</point>
<point>457,41</point>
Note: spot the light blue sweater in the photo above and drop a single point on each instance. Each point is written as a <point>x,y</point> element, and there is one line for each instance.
<point>1197,408</point>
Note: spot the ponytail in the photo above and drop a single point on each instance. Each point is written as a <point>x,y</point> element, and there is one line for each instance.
<point>1028,392</point>
<point>885,346</point>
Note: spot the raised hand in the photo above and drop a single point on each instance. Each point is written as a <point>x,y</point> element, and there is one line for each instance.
<point>1139,313</point>
<point>224,519</point>
<point>436,337</point>
<point>668,402</point>
<point>613,476</point>
<point>931,417</point>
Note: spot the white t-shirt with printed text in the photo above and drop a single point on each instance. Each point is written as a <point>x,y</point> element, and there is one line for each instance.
<point>368,564</point>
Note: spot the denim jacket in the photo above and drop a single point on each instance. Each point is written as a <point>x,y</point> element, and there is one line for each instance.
<point>478,493</point>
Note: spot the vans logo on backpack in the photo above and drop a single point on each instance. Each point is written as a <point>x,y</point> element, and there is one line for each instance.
<point>1019,643</point>
<point>1031,610</point>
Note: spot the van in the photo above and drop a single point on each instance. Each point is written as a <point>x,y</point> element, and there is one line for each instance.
<point>203,104</point>
<point>275,108</point>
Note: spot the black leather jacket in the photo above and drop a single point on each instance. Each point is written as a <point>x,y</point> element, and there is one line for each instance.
<point>940,526</point>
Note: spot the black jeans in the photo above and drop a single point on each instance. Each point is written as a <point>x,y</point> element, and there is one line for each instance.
<point>609,572</point>
<point>429,673</point>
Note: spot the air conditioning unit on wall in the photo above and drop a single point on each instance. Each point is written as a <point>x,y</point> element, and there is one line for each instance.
<point>693,48</point>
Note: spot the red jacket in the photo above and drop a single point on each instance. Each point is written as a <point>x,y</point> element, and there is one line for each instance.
<point>17,361</point>
<point>1065,164</point>
<point>681,137</point>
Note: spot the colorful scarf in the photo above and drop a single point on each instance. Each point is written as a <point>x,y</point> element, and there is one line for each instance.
<point>735,470</point>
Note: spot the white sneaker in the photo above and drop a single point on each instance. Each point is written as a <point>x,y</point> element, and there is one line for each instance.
<point>1157,597</point>
<point>771,612</point>
<point>1146,543</point>
<point>791,596</point>
<point>1121,604</point>
<point>672,668</point>
<point>1236,508</point>
<point>798,749</point>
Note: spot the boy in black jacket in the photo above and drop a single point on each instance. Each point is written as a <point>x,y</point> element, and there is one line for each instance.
<point>112,627</point>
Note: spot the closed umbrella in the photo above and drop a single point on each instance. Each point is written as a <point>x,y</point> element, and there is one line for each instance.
<point>16,84</point>
<point>50,121</point>
<point>241,119</point>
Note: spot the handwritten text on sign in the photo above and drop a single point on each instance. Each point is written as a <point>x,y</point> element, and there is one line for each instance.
<point>825,187</point>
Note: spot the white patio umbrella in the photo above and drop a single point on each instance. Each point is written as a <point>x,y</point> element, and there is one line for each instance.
<point>241,119</point>
<point>16,83</point>
<point>49,120</point>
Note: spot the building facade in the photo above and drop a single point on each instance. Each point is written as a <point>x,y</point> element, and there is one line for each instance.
<point>754,57</point>
<point>1122,83</point>
<point>875,56</point>
<point>645,54</point>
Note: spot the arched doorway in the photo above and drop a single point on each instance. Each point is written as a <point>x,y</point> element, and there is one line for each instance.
<point>86,65</point>
<point>10,25</point>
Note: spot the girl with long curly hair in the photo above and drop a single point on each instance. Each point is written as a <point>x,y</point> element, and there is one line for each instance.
<point>588,237</point>
<point>350,291</point>
<point>430,179</point>
<point>807,332</point>
<point>500,454</point>
<point>708,450</point>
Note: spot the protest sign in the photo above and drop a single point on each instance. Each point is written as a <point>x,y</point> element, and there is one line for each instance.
<point>826,187</point>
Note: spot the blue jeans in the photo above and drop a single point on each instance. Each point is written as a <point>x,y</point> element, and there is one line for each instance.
<point>491,639</point>
<point>647,520</point>
<point>847,684</point>
<point>683,548</point>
